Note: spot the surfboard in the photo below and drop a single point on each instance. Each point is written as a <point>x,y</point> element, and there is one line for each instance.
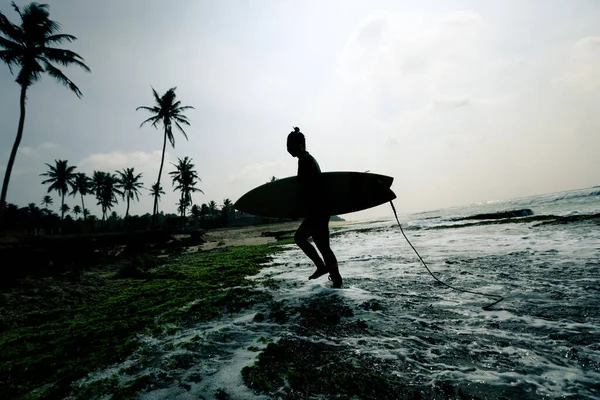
<point>345,192</point>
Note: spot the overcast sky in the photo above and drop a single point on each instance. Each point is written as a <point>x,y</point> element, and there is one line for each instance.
<point>460,101</point>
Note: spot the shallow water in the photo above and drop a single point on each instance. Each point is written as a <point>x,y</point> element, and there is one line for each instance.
<point>541,341</point>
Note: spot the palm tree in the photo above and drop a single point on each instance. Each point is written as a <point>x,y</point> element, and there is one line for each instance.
<point>195,211</point>
<point>81,185</point>
<point>61,176</point>
<point>185,178</point>
<point>105,186</point>
<point>76,210</point>
<point>129,183</point>
<point>227,209</point>
<point>212,208</point>
<point>64,208</point>
<point>28,47</point>
<point>155,192</point>
<point>47,201</point>
<point>167,111</point>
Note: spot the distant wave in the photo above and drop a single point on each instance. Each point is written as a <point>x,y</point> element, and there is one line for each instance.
<point>576,194</point>
<point>593,218</point>
<point>523,212</point>
<point>541,219</point>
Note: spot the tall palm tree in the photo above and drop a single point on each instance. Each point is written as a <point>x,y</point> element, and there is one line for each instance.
<point>212,208</point>
<point>156,192</point>
<point>28,47</point>
<point>168,112</point>
<point>61,177</point>
<point>81,185</point>
<point>76,210</point>
<point>128,181</point>
<point>47,201</point>
<point>185,179</point>
<point>105,186</point>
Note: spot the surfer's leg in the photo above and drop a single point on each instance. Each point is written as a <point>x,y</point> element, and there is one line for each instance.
<point>301,239</point>
<point>321,238</point>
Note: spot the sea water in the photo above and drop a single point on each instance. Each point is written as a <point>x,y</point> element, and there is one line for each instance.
<point>541,341</point>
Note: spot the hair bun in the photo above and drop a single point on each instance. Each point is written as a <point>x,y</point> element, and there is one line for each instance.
<point>296,129</point>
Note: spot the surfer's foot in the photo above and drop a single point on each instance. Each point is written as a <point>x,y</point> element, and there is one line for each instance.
<point>335,277</point>
<point>319,272</point>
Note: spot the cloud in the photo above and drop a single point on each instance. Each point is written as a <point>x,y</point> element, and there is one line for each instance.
<point>582,70</point>
<point>118,160</point>
<point>42,150</point>
<point>257,173</point>
<point>452,102</point>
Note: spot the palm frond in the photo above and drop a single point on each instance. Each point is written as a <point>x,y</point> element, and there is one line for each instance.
<point>182,131</point>
<point>154,120</point>
<point>62,78</point>
<point>151,109</point>
<point>9,44</point>
<point>11,30</point>
<point>59,38</point>
<point>170,136</point>
<point>64,57</point>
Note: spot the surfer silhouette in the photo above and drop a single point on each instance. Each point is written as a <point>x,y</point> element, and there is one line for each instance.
<point>316,223</point>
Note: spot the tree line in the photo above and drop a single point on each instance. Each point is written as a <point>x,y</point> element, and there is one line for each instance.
<point>28,49</point>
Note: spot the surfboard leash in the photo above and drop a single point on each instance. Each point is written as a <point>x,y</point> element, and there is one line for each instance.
<point>493,296</point>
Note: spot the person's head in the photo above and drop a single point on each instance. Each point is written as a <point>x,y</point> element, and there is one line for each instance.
<point>296,144</point>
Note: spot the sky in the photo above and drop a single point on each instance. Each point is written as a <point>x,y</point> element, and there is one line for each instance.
<point>460,101</point>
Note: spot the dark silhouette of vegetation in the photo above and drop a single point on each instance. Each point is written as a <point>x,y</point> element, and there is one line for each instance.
<point>82,186</point>
<point>106,189</point>
<point>168,112</point>
<point>156,192</point>
<point>185,179</point>
<point>47,201</point>
<point>61,177</point>
<point>130,184</point>
<point>76,210</point>
<point>28,47</point>
<point>227,211</point>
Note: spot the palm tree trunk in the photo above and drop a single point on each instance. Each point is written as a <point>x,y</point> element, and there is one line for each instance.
<point>82,207</point>
<point>62,210</point>
<point>162,161</point>
<point>127,211</point>
<point>13,153</point>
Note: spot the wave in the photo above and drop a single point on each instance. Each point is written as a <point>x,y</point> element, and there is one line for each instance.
<point>523,212</point>
<point>593,218</point>
<point>540,219</point>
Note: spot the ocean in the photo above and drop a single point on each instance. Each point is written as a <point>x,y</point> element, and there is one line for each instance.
<point>393,321</point>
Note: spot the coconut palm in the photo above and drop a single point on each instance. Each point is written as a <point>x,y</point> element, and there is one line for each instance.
<point>61,177</point>
<point>28,48</point>
<point>227,210</point>
<point>168,112</point>
<point>156,192</point>
<point>65,208</point>
<point>47,201</point>
<point>129,183</point>
<point>82,186</point>
<point>105,186</point>
<point>76,210</point>
<point>212,208</point>
<point>185,179</point>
